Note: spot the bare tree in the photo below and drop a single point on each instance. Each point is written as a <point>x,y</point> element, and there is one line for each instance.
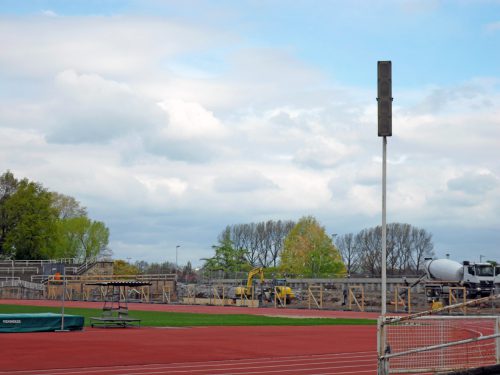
<point>369,243</point>
<point>350,253</point>
<point>422,247</point>
<point>261,241</point>
<point>407,247</point>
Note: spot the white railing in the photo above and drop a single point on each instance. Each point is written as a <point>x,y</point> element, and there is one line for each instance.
<point>430,343</point>
<point>21,283</point>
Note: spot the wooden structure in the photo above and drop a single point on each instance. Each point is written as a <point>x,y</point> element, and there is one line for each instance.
<point>115,309</point>
<point>315,294</point>
<point>218,295</point>
<point>454,297</point>
<point>352,297</point>
<point>90,288</point>
<point>279,301</point>
<point>402,296</point>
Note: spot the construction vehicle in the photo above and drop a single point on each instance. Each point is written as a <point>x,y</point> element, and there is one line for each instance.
<point>280,291</point>
<point>278,288</point>
<point>442,275</point>
<point>247,291</point>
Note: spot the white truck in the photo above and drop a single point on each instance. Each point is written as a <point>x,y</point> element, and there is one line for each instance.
<point>478,279</point>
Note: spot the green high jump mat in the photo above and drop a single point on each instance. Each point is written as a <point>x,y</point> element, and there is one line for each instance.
<point>44,322</point>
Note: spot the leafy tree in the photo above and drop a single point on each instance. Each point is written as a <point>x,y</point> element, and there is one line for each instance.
<point>8,186</point>
<point>121,267</point>
<point>81,238</point>
<point>227,258</point>
<point>67,207</point>
<point>31,222</point>
<point>309,251</point>
<point>38,224</point>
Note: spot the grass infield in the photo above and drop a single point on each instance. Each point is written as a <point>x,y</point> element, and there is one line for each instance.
<point>173,319</point>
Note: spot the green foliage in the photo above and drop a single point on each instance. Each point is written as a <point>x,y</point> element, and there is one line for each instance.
<point>81,238</point>
<point>309,251</point>
<point>227,258</point>
<point>31,221</point>
<point>38,224</point>
<point>66,206</point>
<point>120,267</point>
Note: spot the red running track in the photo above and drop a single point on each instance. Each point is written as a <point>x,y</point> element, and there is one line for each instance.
<point>199,350</point>
<point>199,309</point>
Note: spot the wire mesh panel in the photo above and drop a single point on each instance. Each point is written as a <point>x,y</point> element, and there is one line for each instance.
<point>441,343</point>
<point>428,342</point>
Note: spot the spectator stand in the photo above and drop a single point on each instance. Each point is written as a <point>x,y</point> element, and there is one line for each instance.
<point>115,309</point>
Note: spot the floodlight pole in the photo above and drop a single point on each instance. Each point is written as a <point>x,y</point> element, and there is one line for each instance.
<point>384,99</point>
<point>384,226</point>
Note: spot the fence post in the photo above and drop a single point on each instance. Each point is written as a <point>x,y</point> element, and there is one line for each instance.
<point>383,364</point>
<point>497,340</point>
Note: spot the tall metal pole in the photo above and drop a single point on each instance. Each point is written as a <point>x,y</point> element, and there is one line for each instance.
<point>384,99</point>
<point>63,298</point>
<point>384,227</point>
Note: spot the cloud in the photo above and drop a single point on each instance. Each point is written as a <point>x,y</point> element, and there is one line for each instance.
<point>120,113</point>
<point>88,108</point>
<point>49,13</point>
<point>474,183</point>
<point>492,27</point>
<point>322,152</point>
<point>188,120</point>
<point>116,46</point>
<point>242,181</point>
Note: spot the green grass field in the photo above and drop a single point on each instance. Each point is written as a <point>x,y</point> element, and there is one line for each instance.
<point>171,319</point>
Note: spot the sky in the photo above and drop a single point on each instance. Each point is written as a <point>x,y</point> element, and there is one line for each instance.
<point>170,120</point>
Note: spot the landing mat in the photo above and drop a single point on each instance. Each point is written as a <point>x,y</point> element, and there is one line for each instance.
<point>44,322</point>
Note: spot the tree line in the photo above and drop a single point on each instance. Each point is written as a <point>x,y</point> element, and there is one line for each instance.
<point>184,273</point>
<point>407,247</point>
<point>286,247</point>
<point>304,249</point>
<point>36,223</point>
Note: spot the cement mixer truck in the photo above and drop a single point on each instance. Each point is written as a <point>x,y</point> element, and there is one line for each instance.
<point>443,275</point>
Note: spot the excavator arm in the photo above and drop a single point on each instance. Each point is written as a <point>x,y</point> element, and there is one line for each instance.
<point>256,271</point>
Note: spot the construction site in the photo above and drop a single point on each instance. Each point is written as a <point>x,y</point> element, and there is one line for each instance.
<point>80,281</point>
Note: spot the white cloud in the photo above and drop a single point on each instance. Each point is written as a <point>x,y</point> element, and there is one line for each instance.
<point>165,155</point>
<point>187,120</point>
<point>239,181</point>
<point>49,13</point>
<point>89,108</point>
<point>493,26</point>
<point>323,152</point>
<point>37,46</point>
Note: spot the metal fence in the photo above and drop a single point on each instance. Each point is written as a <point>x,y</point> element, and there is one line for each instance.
<point>427,343</point>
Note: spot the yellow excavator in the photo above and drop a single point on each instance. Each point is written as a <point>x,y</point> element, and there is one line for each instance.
<point>282,291</point>
<point>247,291</point>
<point>279,288</point>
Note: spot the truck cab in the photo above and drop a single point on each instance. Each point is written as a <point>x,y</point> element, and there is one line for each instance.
<point>479,278</point>
<point>497,278</point>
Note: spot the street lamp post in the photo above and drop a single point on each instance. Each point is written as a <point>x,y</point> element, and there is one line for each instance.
<point>176,257</point>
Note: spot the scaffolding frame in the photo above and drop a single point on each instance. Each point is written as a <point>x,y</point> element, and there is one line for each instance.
<point>352,297</point>
<point>278,301</point>
<point>453,297</point>
<point>400,297</point>
<point>314,291</point>
<point>216,296</point>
